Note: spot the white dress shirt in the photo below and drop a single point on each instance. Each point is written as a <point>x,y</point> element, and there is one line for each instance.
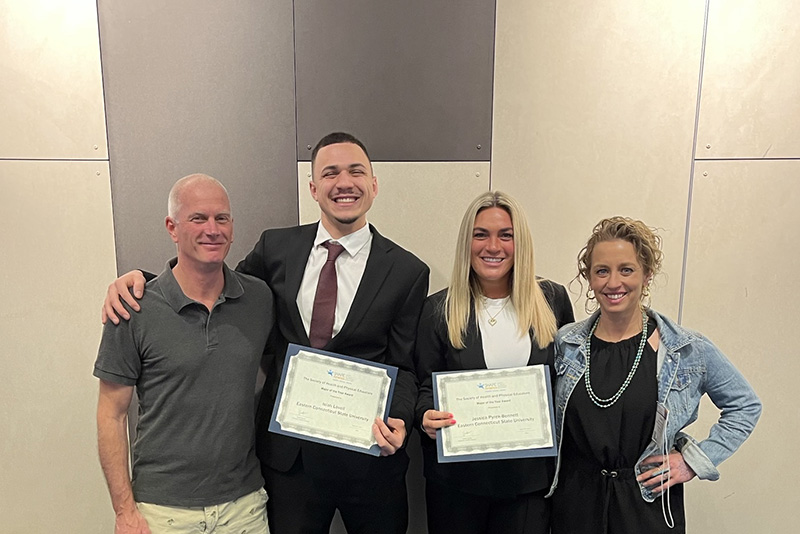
<point>350,267</point>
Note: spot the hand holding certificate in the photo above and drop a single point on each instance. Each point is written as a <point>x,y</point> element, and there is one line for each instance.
<point>501,413</point>
<point>332,399</point>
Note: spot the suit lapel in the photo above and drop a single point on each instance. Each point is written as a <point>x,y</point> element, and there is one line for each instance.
<point>538,356</point>
<point>379,264</point>
<point>472,354</point>
<point>297,252</point>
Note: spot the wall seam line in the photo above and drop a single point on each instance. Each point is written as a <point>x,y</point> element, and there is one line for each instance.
<point>692,165</point>
<point>494,80</point>
<point>296,120</point>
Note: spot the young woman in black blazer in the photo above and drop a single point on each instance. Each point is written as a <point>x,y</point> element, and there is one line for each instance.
<point>495,314</point>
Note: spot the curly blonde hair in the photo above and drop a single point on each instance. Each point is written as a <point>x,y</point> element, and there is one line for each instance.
<point>646,242</point>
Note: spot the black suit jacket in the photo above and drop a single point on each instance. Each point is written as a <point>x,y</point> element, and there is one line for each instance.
<point>497,478</point>
<point>380,327</point>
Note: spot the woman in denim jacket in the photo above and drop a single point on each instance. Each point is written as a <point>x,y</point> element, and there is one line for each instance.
<point>629,379</point>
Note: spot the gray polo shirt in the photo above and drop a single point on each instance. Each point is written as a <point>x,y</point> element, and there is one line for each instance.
<point>195,376</point>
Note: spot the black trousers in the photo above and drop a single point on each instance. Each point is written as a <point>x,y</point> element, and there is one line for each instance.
<point>300,503</point>
<point>454,511</point>
<point>598,501</point>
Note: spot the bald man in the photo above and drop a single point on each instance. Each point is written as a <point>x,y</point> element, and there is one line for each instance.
<point>192,354</point>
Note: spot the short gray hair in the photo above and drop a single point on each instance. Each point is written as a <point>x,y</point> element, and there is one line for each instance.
<point>174,199</point>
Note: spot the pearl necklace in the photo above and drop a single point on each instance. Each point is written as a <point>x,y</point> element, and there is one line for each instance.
<point>605,403</point>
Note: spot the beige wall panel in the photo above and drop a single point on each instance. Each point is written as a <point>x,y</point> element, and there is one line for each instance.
<point>55,270</point>
<point>742,291</point>
<point>594,107</point>
<point>419,206</point>
<point>750,103</point>
<point>51,92</point>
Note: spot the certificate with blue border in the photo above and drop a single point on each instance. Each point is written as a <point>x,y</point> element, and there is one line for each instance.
<point>499,413</point>
<point>332,398</point>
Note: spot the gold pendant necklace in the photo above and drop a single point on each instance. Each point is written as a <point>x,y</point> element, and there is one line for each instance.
<point>493,318</point>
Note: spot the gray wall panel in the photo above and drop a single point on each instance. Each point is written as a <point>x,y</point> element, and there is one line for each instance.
<point>198,86</point>
<point>413,79</point>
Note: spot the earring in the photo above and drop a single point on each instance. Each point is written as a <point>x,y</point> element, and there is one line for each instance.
<point>591,304</point>
<point>646,296</point>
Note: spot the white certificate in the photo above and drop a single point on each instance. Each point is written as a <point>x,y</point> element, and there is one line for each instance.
<point>499,413</point>
<point>332,399</point>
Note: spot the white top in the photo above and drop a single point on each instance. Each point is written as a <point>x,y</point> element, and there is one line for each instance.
<point>502,344</point>
<point>350,266</point>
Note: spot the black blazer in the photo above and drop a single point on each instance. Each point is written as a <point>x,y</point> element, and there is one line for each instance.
<point>497,478</point>
<point>380,327</point>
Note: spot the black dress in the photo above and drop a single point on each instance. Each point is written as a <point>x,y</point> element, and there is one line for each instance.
<point>597,489</point>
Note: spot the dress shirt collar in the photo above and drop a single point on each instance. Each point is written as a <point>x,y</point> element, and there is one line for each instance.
<point>352,243</point>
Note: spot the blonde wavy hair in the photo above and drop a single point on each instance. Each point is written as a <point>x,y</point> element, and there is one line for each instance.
<point>464,294</point>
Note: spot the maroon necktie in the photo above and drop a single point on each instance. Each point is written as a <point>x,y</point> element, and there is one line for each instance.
<point>321,329</point>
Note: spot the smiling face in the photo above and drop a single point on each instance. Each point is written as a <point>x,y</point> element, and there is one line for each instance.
<point>492,251</point>
<point>344,187</point>
<point>203,226</point>
<point>617,277</point>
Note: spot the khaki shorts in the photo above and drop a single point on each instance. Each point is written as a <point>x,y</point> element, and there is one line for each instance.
<point>247,514</point>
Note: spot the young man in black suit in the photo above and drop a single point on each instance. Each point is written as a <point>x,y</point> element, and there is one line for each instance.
<point>381,289</point>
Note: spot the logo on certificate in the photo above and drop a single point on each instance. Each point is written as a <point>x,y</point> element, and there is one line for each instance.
<point>337,376</point>
<point>492,386</point>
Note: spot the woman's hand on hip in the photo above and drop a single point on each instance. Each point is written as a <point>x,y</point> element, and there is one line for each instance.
<point>671,469</point>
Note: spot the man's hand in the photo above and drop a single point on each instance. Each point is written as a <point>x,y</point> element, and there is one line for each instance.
<point>389,437</point>
<point>120,289</point>
<point>131,522</point>
<point>672,467</point>
<point>433,420</point>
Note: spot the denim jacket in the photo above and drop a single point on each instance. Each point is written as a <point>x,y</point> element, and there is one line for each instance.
<point>689,365</point>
